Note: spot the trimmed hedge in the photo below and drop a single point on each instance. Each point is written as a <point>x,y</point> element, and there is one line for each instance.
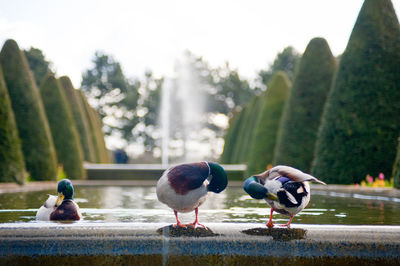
<point>231,137</point>
<point>78,113</point>
<point>302,115</point>
<point>361,121</point>
<point>12,165</point>
<point>96,133</point>
<point>396,168</point>
<point>33,127</point>
<point>63,128</point>
<point>266,131</point>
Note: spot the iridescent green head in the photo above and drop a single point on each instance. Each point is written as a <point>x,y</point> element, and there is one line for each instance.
<point>219,180</point>
<point>65,190</point>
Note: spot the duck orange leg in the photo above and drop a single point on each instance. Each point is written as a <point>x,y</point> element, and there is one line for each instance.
<point>196,221</point>
<point>178,223</point>
<point>288,224</point>
<point>270,224</point>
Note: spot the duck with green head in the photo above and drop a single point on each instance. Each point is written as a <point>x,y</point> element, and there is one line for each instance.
<point>60,208</point>
<point>284,188</point>
<point>185,187</point>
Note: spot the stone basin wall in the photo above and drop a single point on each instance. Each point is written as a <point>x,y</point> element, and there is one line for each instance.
<point>84,243</point>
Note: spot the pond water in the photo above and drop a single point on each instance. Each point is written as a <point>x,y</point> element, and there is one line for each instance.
<point>140,204</point>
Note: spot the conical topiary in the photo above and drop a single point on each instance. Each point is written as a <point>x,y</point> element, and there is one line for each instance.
<point>361,120</point>
<point>12,165</point>
<point>266,131</point>
<point>78,113</point>
<point>396,168</point>
<point>96,134</point>
<point>302,115</point>
<point>231,137</point>
<point>247,129</point>
<point>63,128</point>
<point>33,128</point>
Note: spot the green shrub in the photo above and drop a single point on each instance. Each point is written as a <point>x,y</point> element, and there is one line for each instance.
<point>78,113</point>
<point>63,128</point>
<point>33,128</point>
<point>302,115</point>
<point>266,131</point>
<point>96,133</point>
<point>247,129</point>
<point>361,120</point>
<point>396,168</point>
<point>231,137</point>
<point>12,165</point>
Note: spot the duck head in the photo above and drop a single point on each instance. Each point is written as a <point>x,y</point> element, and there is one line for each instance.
<point>219,180</point>
<point>65,190</point>
<point>256,190</point>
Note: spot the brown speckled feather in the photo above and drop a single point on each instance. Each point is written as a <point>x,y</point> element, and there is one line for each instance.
<point>290,172</point>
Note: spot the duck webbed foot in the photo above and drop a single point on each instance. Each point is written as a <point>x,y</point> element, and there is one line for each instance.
<point>178,223</point>
<point>196,221</point>
<point>288,224</point>
<point>270,224</point>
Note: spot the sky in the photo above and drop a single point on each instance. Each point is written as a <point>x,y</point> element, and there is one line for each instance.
<point>152,34</point>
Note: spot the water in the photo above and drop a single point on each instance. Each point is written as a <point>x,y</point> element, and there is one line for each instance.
<point>140,204</point>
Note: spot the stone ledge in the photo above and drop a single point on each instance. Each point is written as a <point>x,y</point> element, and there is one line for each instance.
<point>139,239</point>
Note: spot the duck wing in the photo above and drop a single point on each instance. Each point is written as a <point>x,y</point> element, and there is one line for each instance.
<point>186,177</point>
<point>292,173</point>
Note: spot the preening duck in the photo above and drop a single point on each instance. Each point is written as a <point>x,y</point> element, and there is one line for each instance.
<point>284,188</point>
<point>185,187</point>
<point>61,207</point>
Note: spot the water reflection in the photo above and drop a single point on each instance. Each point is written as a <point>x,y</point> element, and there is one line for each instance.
<point>140,204</point>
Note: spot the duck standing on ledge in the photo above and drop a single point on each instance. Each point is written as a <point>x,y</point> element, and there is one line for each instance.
<point>284,188</point>
<point>185,187</point>
<point>61,208</point>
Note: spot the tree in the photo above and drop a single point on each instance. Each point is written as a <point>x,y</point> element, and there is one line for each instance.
<point>63,128</point>
<point>38,64</point>
<point>33,127</point>
<point>285,61</point>
<point>80,119</point>
<point>109,90</point>
<point>12,165</point>
<point>266,132</point>
<point>361,121</point>
<point>302,115</point>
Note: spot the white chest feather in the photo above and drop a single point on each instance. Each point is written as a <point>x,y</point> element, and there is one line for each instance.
<point>181,203</point>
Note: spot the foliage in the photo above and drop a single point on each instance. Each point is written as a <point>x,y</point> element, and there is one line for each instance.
<point>251,114</point>
<point>361,121</point>
<point>110,92</point>
<point>285,61</point>
<point>63,128</point>
<point>80,119</point>
<point>12,165</point>
<point>38,64</point>
<point>96,134</point>
<point>33,128</point>
<point>396,168</point>
<point>302,114</point>
<point>231,138</point>
<point>266,131</point>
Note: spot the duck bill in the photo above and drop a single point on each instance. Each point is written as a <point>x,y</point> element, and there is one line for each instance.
<point>60,199</point>
<point>272,196</point>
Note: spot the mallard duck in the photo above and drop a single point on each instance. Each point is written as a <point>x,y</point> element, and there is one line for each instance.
<point>284,188</point>
<point>185,187</point>
<point>62,207</point>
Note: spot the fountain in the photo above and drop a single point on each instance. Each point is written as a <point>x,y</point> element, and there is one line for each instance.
<point>182,115</point>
